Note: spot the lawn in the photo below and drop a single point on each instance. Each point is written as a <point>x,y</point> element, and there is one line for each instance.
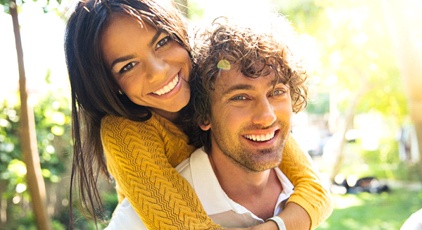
<point>365,211</point>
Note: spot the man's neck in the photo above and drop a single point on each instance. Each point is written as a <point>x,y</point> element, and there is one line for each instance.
<point>256,191</point>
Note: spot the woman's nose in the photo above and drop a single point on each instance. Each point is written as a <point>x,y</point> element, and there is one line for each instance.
<point>157,69</point>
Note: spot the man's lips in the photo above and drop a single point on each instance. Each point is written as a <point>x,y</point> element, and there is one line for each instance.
<point>260,137</point>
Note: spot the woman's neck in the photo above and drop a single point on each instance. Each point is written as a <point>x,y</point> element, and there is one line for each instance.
<point>171,116</point>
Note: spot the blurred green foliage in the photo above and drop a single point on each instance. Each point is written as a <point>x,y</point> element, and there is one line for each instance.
<point>12,169</point>
<point>52,120</point>
<point>352,51</point>
<point>367,211</point>
<point>383,163</point>
<point>46,3</point>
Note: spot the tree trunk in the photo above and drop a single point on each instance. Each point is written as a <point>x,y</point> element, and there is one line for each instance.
<point>408,57</point>
<point>34,178</point>
<point>348,122</point>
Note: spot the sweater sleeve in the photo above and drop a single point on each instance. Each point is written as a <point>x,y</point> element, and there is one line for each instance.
<point>308,190</point>
<point>136,157</point>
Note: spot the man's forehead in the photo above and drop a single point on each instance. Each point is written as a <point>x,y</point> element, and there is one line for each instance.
<point>231,81</point>
<point>233,75</point>
<point>228,77</point>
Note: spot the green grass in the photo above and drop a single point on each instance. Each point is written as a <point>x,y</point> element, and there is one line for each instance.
<point>365,211</point>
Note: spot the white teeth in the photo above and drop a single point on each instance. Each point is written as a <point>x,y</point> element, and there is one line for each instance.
<point>168,87</point>
<point>266,137</point>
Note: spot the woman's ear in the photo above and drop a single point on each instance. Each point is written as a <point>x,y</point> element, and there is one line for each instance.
<point>205,124</point>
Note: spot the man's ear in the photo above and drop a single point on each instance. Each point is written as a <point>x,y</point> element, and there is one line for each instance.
<point>205,124</point>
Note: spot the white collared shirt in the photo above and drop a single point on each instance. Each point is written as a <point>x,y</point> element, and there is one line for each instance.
<point>198,172</point>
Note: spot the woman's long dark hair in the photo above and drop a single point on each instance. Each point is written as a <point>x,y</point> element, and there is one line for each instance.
<point>94,91</point>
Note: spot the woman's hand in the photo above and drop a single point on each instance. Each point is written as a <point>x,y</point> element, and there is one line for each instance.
<point>270,225</point>
<point>293,215</point>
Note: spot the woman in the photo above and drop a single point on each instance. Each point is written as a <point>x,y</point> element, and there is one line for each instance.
<point>129,63</point>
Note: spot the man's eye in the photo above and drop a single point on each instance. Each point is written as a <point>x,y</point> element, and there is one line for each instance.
<point>238,98</point>
<point>278,92</point>
<point>127,67</point>
<point>164,42</point>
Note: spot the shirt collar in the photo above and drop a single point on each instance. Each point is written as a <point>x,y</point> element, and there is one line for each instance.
<point>206,184</point>
<point>213,197</point>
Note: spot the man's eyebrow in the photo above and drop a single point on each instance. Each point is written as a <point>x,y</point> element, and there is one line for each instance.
<point>237,87</point>
<point>280,80</point>
<point>248,86</point>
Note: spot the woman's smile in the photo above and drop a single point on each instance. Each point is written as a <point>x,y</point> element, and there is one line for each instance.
<point>169,87</point>
<point>149,65</point>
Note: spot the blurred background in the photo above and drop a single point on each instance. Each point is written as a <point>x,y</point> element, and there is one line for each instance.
<point>362,126</point>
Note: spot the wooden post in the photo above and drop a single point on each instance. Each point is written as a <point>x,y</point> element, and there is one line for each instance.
<point>28,140</point>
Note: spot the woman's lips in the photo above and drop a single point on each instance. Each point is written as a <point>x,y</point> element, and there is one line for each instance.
<point>169,87</point>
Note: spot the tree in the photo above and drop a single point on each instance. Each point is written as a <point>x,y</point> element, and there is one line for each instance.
<point>404,37</point>
<point>29,148</point>
<point>353,60</point>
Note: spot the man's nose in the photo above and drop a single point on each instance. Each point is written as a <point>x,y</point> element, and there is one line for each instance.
<point>264,114</point>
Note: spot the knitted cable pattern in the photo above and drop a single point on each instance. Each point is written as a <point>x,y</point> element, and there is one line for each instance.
<point>308,190</point>
<point>141,157</point>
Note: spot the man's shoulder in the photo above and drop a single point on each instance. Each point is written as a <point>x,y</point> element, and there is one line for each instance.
<point>288,187</point>
<point>125,217</point>
<point>185,168</point>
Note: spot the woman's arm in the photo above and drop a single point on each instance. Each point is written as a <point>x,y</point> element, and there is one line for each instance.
<point>135,153</point>
<point>162,198</point>
<point>294,217</point>
<point>310,204</point>
<point>309,195</point>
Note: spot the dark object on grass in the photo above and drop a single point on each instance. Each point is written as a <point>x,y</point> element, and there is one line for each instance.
<point>364,184</point>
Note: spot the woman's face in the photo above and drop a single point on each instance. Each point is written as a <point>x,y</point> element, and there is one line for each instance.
<point>150,67</point>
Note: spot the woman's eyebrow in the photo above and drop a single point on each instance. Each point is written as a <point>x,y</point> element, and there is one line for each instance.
<point>121,59</point>
<point>155,38</point>
<point>128,57</point>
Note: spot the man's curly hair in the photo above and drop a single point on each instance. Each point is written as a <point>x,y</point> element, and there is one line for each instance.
<point>253,53</point>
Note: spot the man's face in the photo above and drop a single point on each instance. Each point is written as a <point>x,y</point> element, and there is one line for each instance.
<point>250,119</point>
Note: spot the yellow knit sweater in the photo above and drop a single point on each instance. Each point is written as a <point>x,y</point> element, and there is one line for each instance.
<point>141,157</point>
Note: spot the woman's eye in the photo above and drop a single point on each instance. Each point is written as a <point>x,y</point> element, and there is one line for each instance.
<point>164,42</point>
<point>127,67</point>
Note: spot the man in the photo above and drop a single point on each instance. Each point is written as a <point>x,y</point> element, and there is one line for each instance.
<point>245,91</point>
